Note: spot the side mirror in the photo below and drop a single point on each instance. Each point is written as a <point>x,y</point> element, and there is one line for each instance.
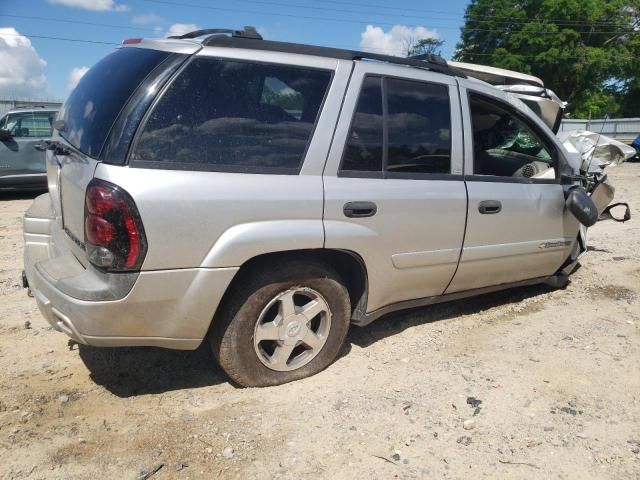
<point>618,212</point>
<point>581,206</point>
<point>4,134</point>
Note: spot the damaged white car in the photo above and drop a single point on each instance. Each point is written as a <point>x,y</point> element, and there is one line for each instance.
<point>531,90</point>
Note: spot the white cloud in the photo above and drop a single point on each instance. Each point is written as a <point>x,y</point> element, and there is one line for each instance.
<point>21,68</point>
<point>394,42</point>
<point>146,19</point>
<point>181,28</point>
<point>94,5</point>
<point>74,77</point>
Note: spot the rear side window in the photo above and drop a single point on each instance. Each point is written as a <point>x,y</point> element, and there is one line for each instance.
<point>95,103</point>
<point>234,116</point>
<point>419,122</point>
<point>413,135</point>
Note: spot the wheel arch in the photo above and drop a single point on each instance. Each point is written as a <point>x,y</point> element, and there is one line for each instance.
<point>348,264</point>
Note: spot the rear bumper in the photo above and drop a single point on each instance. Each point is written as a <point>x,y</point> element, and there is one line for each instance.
<point>165,308</point>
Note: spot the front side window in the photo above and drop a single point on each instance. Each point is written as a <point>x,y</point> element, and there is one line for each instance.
<point>503,144</point>
<point>235,116</point>
<point>412,136</point>
<point>30,124</point>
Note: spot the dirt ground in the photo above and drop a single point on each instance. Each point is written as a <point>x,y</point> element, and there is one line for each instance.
<point>529,383</point>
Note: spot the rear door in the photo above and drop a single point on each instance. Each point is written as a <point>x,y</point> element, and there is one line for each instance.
<point>517,227</point>
<point>394,190</point>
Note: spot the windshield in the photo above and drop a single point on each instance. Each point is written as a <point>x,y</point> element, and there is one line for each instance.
<point>95,103</point>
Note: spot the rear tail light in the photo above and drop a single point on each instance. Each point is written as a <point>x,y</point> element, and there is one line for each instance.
<point>113,232</point>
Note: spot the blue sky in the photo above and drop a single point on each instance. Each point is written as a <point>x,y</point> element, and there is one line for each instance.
<point>337,23</point>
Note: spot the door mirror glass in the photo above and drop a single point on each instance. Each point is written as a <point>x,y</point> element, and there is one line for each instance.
<point>582,207</point>
<point>4,134</point>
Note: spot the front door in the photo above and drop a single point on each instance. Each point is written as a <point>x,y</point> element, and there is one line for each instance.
<point>394,190</point>
<point>18,154</point>
<point>517,227</point>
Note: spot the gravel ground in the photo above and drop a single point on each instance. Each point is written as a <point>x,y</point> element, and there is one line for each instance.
<point>529,383</point>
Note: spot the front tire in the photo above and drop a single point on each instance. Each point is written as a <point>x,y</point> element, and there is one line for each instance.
<point>282,324</point>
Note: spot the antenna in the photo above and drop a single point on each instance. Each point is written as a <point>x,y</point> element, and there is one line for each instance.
<point>606,117</point>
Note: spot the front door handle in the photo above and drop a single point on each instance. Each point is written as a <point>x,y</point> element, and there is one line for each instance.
<point>489,207</point>
<point>40,147</point>
<point>359,209</point>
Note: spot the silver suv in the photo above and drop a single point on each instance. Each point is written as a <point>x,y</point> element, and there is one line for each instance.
<point>266,195</point>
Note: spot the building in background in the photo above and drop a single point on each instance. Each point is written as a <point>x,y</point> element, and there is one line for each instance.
<point>9,103</point>
<point>624,130</point>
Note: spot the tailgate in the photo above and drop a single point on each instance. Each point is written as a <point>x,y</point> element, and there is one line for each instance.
<point>74,172</point>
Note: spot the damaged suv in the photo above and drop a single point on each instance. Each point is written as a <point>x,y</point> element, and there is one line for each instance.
<point>265,195</point>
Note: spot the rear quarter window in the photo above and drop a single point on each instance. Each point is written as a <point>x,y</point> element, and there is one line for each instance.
<point>232,115</point>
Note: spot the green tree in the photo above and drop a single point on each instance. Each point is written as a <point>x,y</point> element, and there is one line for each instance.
<point>425,46</point>
<point>585,50</point>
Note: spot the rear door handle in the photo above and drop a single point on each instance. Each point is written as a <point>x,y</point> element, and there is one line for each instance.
<point>489,207</point>
<point>359,209</point>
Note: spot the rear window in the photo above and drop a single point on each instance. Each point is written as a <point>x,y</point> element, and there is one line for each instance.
<point>232,115</point>
<point>95,103</point>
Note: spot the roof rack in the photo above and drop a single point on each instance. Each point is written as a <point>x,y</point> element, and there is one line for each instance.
<point>250,38</point>
<point>247,32</point>
<point>429,57</point>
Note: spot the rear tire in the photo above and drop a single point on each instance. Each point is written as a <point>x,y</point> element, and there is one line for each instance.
<point>281,324</point>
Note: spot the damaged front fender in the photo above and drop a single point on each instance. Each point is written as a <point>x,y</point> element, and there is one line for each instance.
<point>596,151</point>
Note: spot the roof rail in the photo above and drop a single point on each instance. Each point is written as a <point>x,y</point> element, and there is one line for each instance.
<point>33,107</point>
<point>431,62</point>
<point>247,32</point>
<point>250,38</point>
